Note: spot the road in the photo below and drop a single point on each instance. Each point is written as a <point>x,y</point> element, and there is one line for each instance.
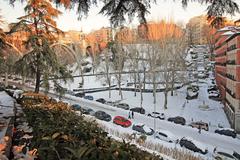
<point>210,139</point>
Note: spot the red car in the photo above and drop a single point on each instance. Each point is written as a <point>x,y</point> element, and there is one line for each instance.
<point>122,121</point>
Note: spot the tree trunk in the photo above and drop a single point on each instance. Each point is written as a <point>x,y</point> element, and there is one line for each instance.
<point>141,94</point>
<point>38,77</point>
<point>172,87</point>
<point>144,78</point>
<point>23,80</point>
<point>109,87</point>
<point>165,100</point>
<point>135,85</point>
<point>154,89</point>
<point>120,88</point>
<point>6,79</point>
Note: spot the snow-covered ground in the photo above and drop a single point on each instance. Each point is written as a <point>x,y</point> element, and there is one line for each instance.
<point>6,111</point>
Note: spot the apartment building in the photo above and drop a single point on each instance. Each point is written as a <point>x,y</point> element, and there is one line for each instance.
<point>195,30</point>
<point>227,57</point>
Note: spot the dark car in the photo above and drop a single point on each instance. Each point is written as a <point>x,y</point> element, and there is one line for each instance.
<point>103,116</point>
<point>189,144</point>
<point>87,111</point>
<point>123,106</point>
<point>88,97</point>
<point>80,94</point>
<point>138,110</point>
<point>236,155</point>
<point>76,107</point>
<point>101,100</point>
<point>226,132</point>
<point>177,120</point>
<point>223,156</point>
<point>212,88</point>
<point>157,115</point>
<point>142,128</point>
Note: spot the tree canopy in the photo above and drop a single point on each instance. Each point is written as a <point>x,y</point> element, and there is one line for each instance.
<point>119,11</point>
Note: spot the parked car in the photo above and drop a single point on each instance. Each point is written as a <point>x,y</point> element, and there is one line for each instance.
<point>200,124</point>
<point>110,103</point>
<point>80,94</point>
<point>88,111</point>
<point>123,106</point>
<point>88,97</point>
<point>103,116</point>
<point>214,95</point>
<point>157,115</point>
<point>236,155</point>
<point>119,120</point>
<point>212,88</point>
<point>87,69</point>
<point>165,136</point>
<point>191,94</point>
<point>227,132</point>
<point>223,156</point>
<point>142,128</point>
<point>193,145</point>
<point>101,100</point>
<point>76,107</point>
<point>138,110</point>
<point>177,120</point>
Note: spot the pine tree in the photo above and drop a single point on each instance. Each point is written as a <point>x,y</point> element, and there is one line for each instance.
<point>41,61</point>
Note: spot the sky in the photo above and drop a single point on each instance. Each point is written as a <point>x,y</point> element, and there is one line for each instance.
<point>164,9</point>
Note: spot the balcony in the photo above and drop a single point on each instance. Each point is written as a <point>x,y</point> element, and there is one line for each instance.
<point>220,64</point>
<point>221,54</point>
<point>230,92</point>
<point>232,47</point>
<point>230,77</point>
<point>232,102</point>
<point>231,62</point>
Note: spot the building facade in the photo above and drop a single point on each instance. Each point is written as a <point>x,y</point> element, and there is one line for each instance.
<point>227,69</point>
<point>195,30</point>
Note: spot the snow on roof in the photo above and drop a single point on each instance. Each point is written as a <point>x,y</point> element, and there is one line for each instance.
<point>226,129</point>
<point>197,143</point>
<point>229,28</point>
<point>170,134</point>
<point>228,33</point>
<point>147,129</point>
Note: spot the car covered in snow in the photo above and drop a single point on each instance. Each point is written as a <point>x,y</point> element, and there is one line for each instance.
<point>192,92</point>
<point>76,107</point>
<point>88,97</point>
<point>142,128</point>
<point>101,100</point>
<point>165,136</point>
<point>123,106</point>
<point>110,103</point>
<point>214,94</point>
<point>88,111</point>
<point>79,94</point>
<point>157,115</point>
<point>236,155</point>
<point>193,145</point>
<point>103,116</point>
<point>223,156</point>
<point>227,132</point>
<point>124,122</point>
<point>212,88</point>
<point>177,120</point>
<point>138,110</point>
<point>199,124</point>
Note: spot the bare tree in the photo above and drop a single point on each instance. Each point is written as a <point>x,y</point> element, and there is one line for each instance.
<point>118,63</point>
<point>105,68</point>
<point>172,56</point>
